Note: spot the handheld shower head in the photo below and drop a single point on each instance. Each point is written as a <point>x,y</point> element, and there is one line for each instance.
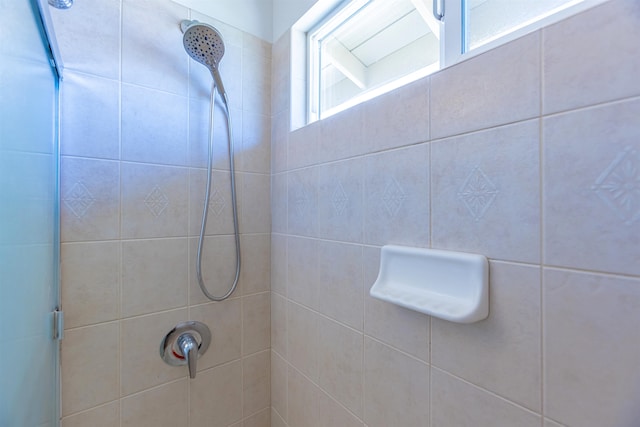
<point>204,44</point>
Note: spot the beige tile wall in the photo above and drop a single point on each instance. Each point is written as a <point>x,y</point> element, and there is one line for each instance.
<point>134,132</point>
<point>545,131</point>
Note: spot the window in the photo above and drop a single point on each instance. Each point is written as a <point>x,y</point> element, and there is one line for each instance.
<point>367,47</point>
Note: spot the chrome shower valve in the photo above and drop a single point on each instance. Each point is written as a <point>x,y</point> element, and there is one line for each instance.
<point>184,344</point>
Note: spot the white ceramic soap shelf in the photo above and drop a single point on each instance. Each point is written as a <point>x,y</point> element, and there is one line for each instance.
<point>450,285</point>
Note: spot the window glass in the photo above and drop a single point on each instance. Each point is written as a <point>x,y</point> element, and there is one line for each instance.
<point>378,42</point>
<point>488,20</point>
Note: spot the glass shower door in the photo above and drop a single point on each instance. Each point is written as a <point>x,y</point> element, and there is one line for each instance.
<point>28,220</point>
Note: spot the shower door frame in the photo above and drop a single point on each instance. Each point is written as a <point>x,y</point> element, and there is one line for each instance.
<point>49,38</point>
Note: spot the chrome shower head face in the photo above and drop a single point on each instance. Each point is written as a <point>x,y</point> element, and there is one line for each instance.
<point>204,44</point>
<point>61,4</point>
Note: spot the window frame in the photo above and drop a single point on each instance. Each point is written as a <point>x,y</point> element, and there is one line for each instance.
<point>453,46</point>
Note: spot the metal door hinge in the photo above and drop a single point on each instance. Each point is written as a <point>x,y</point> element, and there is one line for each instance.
<point>58,325</point>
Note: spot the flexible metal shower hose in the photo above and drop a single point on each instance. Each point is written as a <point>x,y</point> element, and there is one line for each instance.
<point>205,210</point>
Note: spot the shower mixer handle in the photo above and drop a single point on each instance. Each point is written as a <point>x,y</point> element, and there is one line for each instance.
<point>189,348</point>
<point>184,344</point>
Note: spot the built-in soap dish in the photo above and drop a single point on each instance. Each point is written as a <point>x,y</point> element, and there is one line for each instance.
<point>450,285</point>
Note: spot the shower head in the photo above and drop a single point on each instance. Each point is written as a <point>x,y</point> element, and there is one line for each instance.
<point>204,44</point>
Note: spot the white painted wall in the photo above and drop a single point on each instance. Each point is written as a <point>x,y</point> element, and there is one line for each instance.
<point>267,19</point>
<point>287,12</point>
<point>252,16</point>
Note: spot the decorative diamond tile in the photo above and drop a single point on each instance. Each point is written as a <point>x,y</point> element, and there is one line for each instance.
<point>393,197</point>
<point>156,201</point>
<point>79,199</point>
<point>301,201</point>
<point>339,199</point>
<point>217,203</point>
<point>477,193</point>
<point>619,186</point>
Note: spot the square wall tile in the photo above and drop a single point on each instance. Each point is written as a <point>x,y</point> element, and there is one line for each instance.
<point>398,118</point>
<point>591,348</point>
<point>155,201</point>
<point>218,267</point>
<point>89,199</point>
<point>231,72</point>
<point>302,193</point>
<point>256,83</point>
<point>89,367</point>
<point>279,384</point>
<point>280,73</point>
<point>342,135</point>
<point>331,413</point>
<point>592,202</point>
<point>90,282</point>
<point>256,323</point>
<point>224,320</point>
<point>279,205</point>
<point>303,146</point>
<point>254,208</point>
<point>497,87</point>
<point>143,368</point>
<point>102,416</point>
<point>256,263</point>
<point>278,252</point>
<point>397,197</point>
<point>260,419</point>
<point>88,36</point>
<point>152,50</point>
<point>279,324</point>
<point>276,419</point>
<point>404,329</point>
<point>340,283</point>
<point>255,151</point>
<point>501,353</point>
<point>340,364</point>
<point>154,126</point>
<point>223,382</point>
<point>163,406</point>
<point>592,57</point>
<point>396,388</point>
<point>303,400</point>
<point>94,129</point>
<point>302,339</point>
<point>154,275</point>
<point>199,124</point>
<point>254,45</point>
<point>256,383</point>
<point>302,271</point>
<point>480,408</point>
<point>220,210</point>
<point>279,141</point>
<point>340,200</point>
<point>486,193</point>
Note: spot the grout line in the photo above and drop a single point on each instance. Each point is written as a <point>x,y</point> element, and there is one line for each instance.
<point>363,380</point>
<point>120,211</point>
<point>489,392</point>
<point>593,106</point>
<point>542,222</point>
